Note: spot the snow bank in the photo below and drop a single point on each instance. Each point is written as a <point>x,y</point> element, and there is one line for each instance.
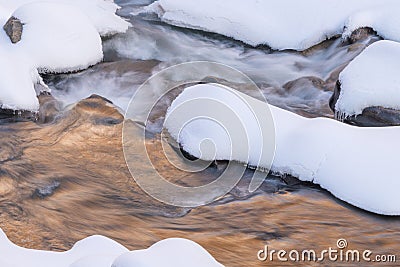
<point>58,36</point>
<point>99,251</point>
<point>173,252</point>
<point>282,24</point>
<point>371,79</point>
<point>17,77</point>
<point>53,41</point>
<point>92,246</point>
<point>236,129</point>
<point>101,13</point>
<point>357,165</point>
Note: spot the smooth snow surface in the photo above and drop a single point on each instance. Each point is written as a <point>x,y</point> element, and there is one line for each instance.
<point>371,79</point>
<point>99,251</point>
<point>235,130</point>
<point>173,252</point>
<point>58,36</point>
<point>54,44</point>
<point>17,78</point>
<point>346,160</point>
<point>101,13</point>
<point>283,24</point>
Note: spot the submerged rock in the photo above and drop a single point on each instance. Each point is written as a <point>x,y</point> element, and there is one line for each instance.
<point>49,108</point>
<point>46,190</point>
<point>370,117</point>
<point>13,28</point>
<point>297,86</point>
<point>100,110</point>
<point>361,34</point>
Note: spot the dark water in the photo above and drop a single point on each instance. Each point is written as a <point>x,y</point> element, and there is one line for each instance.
<point>65,179</point>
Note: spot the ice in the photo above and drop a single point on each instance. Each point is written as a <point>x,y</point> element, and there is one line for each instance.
<point>283,24</point>
<point>357,165</point>
<point>371,79</point>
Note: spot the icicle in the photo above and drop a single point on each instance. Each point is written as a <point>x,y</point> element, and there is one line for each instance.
<point>340,116</point>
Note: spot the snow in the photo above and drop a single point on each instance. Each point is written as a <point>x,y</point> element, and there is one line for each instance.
<point>54,44</point>
<point>21,93</point>
<point>101,13</point>
<point>371,79</point>
<point>99,251</point>
<point>235,123</point>
<point>58,36</point>
<point>282,24</point>
<point>184,253</point>
<point>357,165</point>
<point>96,245</point>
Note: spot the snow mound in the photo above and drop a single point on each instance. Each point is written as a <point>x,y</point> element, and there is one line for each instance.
<point>235,130</point>
<point>101,13</point>
<point>371,79</point>
<point>99,251</point>
<point>283,24</point>
<point>57,36</point>
<point>92,246</point>
<point>55,42</point>
<point>357,165</point>
<point>17,80</point>
<point>173,252</point>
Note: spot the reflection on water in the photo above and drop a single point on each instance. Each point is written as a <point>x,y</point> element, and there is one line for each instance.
<point>65,179</point>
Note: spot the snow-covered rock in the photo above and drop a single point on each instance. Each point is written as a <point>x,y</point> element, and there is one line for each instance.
<point>283,24</point>
<point>101,13</point>
<point>17,79</point>
<point>370,80</point>
<point>54,41</point>
<point>57,36</point>
<point>345,160</point>
<point>99,251</point>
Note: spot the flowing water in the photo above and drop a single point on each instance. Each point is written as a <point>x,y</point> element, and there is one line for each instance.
<point>64,177</point>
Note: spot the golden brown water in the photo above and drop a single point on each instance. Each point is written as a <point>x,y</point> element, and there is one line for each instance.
<point>64,181</point>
